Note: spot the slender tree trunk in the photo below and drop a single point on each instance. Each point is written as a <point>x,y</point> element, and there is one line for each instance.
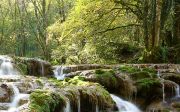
<point>176,39</point>
<point>158,23</point>
<point>145,25</point>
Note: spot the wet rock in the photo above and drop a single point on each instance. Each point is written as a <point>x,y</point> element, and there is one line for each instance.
<point>4,106</point>
<point>175,77</point>
<point>34,67</point>
<point>23,101</point>
<point>159,106</point>
<point>83,67</point>
<point>5,93</point>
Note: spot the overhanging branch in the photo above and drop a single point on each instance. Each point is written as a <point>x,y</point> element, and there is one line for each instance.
<point>123,26</point>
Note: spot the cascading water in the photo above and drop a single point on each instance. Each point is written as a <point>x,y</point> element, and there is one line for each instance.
<point>97,108</point>
<point>7,70</point>
<point>124,106</point>
<point>177,89</point>
<point>6,67</point>
<point>42,68</point>
<point>79,104</point>
<point>16,99</point>
<point>158,74</point>
<point>163,89</point>
<point>59,73</point>
<point>68,106</point>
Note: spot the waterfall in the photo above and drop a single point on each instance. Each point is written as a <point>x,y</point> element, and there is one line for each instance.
<point>177,90</point>
<point>58,73</point>
<point>79,104</point>
<point>97,108</point>
<point>163,89</point>
<point>42,68</point>
<point>178,70</point>
<point>124,106</point>
<point>158,74</point>
<point>6,67</point>
<point>68,106</point>
<point>16,98</point>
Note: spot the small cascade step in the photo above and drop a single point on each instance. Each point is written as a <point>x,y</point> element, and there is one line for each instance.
<point>124,106</point>
<point>68,106</point>
<point>4,106</point>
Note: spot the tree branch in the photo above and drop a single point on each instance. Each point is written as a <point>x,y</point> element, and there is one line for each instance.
<point>123,26</point>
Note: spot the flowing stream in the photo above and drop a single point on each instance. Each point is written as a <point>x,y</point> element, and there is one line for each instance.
<point>6,67</point>
<point>8,70</point>
<point>16,99</point>
<point>59,73</point>
<point>124,106</point>
<point>79,103</point>
<point>68,106</point>
<point>177,91</point>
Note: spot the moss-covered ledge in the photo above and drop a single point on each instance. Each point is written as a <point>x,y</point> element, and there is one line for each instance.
<point>46,101</point>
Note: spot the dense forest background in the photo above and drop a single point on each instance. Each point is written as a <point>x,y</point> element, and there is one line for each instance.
<point>91,31</point>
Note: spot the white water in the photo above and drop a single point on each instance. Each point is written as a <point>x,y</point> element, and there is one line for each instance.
<point>58,73</point>
<point>8,71</point>
<point>6,66</point>
<point>97,108</point>
<point>177,89</point>
<point>16,99</point>
<point>42,68</point>
<point>68,106</point>
<point>158,74</point>
<point>79,104</point>
<point>163,89</point>
<point>124,106</point>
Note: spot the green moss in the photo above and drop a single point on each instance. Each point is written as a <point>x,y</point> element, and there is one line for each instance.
<point>106,78</point>
<point>39,82</point>
<point>23,68</point>
<point>94,94</point>
<point>56,82</point>
<point>99,71</point>
<point>45,101</point>
<point>77,80</point>
<point>140,75</point>
<point>147,83</point>
<point>128,69</point>
<point>152,72</point>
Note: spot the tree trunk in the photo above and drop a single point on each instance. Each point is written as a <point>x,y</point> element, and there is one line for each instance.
<point>176,39</point>
<point>158,23</point>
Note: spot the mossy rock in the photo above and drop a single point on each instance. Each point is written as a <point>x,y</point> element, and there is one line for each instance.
<point>46,101</point>
<point>172,77</point>
<point>91,94</point>
<point>140,75</point>
<point>149,89</point>
<point>176,105</point>
<point>148,82</point>
<point>128,69</point>
<point>107,79</point>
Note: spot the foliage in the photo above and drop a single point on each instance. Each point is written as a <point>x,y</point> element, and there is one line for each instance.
<point>106,78</point>
<point>128,69</point>
<point>147,83</point>
<point>91,31</point>
<point>45,101</point>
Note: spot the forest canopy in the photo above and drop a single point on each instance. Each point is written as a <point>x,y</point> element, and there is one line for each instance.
<point>91,31</point>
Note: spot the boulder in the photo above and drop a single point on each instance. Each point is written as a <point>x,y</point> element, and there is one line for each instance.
<point>34,67</point>
<point>5,93</point>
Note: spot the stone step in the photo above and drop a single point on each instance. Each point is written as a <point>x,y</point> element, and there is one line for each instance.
<point>4,106</point>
